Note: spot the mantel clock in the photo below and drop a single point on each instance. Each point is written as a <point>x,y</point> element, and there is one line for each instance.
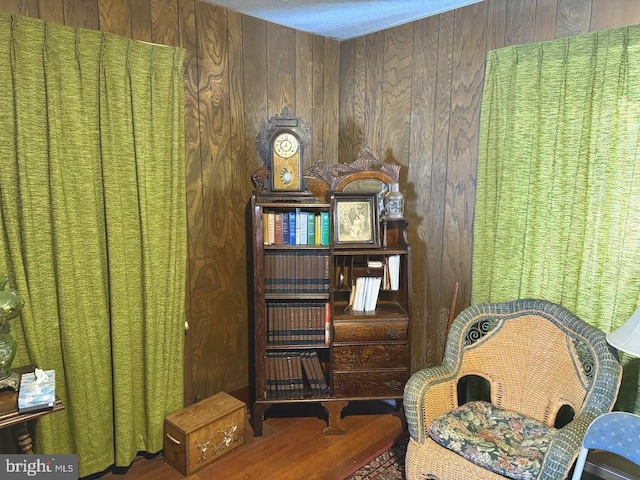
<point>281,143</point>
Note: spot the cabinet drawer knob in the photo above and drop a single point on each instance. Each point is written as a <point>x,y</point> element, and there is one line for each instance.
<point>173,439</point>
<point>393,385</point>
<point>387,357</point>
<point>354,359</point>
<point>394,334</point>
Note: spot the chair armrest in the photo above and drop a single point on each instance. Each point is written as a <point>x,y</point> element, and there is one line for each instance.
<point>565,447</point>
<point>428,394</point>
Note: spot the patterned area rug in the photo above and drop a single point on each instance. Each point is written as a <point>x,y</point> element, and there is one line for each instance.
<point>389,465</point>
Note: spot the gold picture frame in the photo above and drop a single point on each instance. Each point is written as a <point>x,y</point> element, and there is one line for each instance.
<point>355,220</point>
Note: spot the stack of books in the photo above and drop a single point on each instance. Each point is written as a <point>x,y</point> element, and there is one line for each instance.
<point>293,374</point>
<point>392,272</point>
<point>364,295</point>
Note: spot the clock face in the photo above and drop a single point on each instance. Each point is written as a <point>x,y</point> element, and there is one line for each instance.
<point>286,145</point>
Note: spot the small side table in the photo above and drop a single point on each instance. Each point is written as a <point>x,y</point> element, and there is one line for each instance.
<point>9,416</point>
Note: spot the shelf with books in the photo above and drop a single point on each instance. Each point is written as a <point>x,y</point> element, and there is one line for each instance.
<point>298,323</point>
<point>295,375</point>
<point>296,226</point>
<point>296,271</point>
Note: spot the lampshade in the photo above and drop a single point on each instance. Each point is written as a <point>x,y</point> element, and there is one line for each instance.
<point>626,338</point>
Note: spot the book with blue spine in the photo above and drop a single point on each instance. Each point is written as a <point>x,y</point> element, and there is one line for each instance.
<point>292,228</point>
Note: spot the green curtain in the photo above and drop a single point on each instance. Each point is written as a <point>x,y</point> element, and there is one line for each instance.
<point>558,195</point>
<point>93,230</point>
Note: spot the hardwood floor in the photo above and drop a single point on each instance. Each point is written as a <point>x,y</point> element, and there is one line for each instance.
<point>291,448</point>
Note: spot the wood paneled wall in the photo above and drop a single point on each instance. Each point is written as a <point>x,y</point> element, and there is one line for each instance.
<point>239,71</point>
<point>412,94</point>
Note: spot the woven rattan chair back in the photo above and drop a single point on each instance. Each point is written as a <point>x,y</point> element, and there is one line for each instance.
<point>531,365</point>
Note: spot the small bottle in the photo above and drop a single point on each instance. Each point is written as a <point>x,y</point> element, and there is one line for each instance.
<point>395,202</point>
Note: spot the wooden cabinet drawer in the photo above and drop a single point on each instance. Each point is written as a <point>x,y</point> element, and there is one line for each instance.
<point>369,330</point>
<point>382,383</point>
<point>362,357</point>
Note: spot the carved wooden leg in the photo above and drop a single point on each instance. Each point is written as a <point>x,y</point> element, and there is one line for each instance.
<point>334,409</point>
<point>23,439</point>
<point>258,417</point>
<point>400,413</point>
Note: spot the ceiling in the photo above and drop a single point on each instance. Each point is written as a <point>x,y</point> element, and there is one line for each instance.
<point>341,19</point>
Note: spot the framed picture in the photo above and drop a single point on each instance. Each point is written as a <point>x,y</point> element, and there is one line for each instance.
<point>355,220</point>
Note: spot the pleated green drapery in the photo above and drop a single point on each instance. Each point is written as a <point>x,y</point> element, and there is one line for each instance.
<point>93,219</point>
<point>557,214</point>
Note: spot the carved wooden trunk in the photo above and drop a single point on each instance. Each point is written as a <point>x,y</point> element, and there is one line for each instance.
<point>197,435</point>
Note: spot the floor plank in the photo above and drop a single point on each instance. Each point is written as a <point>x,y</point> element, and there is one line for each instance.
<point>291,448</point>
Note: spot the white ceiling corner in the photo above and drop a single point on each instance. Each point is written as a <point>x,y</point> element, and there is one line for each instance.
<point>341,19</point>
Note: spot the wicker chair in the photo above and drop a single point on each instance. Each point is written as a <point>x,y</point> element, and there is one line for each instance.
<point>537,358</point>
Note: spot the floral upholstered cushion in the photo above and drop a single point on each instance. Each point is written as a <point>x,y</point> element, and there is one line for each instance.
<point>503,441</point>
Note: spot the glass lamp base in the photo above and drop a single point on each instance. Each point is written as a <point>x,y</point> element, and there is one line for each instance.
<point>9,380</point>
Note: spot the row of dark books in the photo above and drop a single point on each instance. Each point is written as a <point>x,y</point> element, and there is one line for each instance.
<point>295,271</point>
<point>297,227</point>
<point>298,324</point>
<point>292,374</point>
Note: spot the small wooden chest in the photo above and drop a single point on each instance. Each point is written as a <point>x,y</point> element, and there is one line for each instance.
<point>200,433</point>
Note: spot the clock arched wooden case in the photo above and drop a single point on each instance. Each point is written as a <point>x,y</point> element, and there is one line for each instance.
<point>281,143</point>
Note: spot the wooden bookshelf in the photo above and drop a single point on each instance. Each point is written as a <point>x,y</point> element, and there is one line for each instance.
<point>309,344</point>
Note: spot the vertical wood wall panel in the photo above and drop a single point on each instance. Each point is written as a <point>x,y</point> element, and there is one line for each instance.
<point>418,191</point>
<point>114,17</point>
<point>281,71</point>
<point>81,13</point>
<point>305,86</point>
<point>396,92</point>
<point>164,22</point>
<point>239,194</point>
<point>467,81</point>
<point>141,20</point>
<point>254,86</point>
<point>51,11</point>
<point>347,84</point>
<point>330,102</point>
<point>520,22</point>
<point>195,297</point>
<point>435,275</point>
<point>28,8</point>
<point>373,83</point>
<point>546,14</point>
<point>359,95</point>
<point>213,96</point>
<point>573,17</point>
<point>613,13</point>
<point>317,92</point>
<point>496,24</point>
